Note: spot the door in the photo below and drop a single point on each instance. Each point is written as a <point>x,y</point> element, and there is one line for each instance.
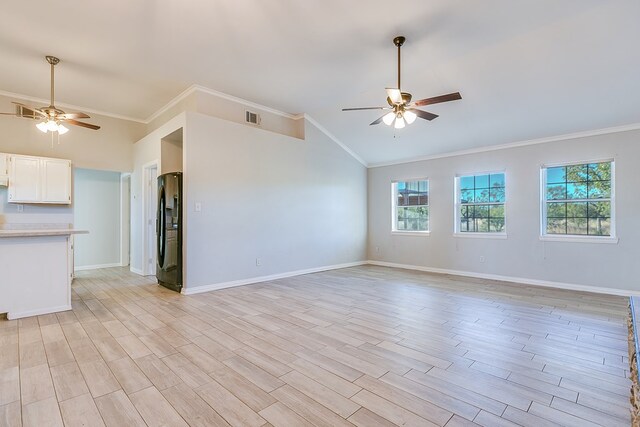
<point>24,179</point>
<point>4,169</point>
<point>151,198</point>
<point>56,181</point>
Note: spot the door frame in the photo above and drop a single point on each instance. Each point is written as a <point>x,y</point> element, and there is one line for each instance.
<point>146,195</point>
<point>125,219</point>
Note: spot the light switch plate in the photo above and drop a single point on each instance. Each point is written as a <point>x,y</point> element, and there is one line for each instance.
<point>198,207</point>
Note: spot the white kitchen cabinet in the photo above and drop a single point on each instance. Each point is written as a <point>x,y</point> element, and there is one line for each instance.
<point>24,179</point>
<point>56,180</point>
<point>39,180</point>
<point>4,169</point>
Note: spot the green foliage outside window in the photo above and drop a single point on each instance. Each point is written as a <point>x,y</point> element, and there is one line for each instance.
<point>481,201</point>
<point>578,199</point>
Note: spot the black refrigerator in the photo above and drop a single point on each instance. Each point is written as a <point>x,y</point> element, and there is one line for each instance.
<point>169,231</point>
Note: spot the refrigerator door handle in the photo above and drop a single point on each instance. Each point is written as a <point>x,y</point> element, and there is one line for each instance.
<point>161,227</point>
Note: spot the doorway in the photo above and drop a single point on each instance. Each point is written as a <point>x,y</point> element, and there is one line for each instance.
<point>150,217</point>
<point>125,219</point>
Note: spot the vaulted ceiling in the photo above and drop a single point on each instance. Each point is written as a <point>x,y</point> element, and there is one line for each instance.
<point>527,69</point>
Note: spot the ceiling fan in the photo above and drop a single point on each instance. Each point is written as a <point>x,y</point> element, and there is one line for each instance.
<point>402,110</point>
<point>51,118</point>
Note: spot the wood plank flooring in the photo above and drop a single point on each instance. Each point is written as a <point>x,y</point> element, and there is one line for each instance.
<point>361,346</point>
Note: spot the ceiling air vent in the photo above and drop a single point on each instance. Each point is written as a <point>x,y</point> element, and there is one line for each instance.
<point>251,117</point>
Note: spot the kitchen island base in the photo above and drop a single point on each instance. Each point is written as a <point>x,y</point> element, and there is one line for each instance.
<point>37,270</point>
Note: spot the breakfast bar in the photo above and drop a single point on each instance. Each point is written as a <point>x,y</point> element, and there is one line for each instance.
<point>36,261</point>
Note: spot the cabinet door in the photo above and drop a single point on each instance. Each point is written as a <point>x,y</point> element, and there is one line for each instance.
<point>56,181</point>
<point>4,164</point>
<point>4,169</point>
<point>24,179</point>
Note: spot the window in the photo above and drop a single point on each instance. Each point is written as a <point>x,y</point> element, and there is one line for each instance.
<point>577,199</point>
<point>411,206</point>
<point>480,202</point>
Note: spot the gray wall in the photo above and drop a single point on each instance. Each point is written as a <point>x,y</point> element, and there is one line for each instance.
<point>522,255</point>
<point>97,209</point>
<point>295,204</point>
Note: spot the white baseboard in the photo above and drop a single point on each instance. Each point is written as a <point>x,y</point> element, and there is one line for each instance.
<point>39,312</point>
<point>96,266</point>
<point>523,280</point>
<point>223,285</point>
<point>136,271</point>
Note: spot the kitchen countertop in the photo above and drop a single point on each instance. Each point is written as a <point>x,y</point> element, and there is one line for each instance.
<point>38,230</point>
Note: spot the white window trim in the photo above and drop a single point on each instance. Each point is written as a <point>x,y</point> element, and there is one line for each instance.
<point>394,200</point>
<point>482,235</point>
<point>457,205</point>
<point>576,238</point>
<point>411,233</point>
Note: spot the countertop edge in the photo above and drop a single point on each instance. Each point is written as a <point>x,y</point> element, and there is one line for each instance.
<point>41,233</point>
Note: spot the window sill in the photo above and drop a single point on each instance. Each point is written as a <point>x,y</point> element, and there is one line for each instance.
<point>579,239</point>
<point>476,235</point>
<point>411,233</point>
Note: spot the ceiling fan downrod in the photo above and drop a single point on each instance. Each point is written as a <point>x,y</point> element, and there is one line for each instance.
<point>399,41</point>
<point>53,61</point>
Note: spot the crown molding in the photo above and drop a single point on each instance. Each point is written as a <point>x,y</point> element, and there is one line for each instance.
<point>71,106</point>
<point>335,139</point>
<point>584,134</point>
<point>182,95</point>
<point>197,88</point>
<point>245,102</point>
<point>202,89</point>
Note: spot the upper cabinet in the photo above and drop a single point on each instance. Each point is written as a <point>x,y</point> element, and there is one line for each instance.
<point>39,180</point>
<point>4,169</point>
<point>24,179</point>
<point>56,181</point>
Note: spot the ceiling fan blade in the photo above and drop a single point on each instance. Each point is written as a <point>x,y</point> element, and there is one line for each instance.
<point>22,116</point>
<point>74,116</point>
<point>377,121</point>
<point>29,109</point>
<point>438,99</point>
<point>364,108</point>
<point>423,114</point>
<point>23,105</point>
<point>394,95</point>
<point>82,124</point>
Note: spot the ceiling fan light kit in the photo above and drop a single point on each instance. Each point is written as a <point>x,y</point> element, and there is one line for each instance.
<point>402,110</point>
<point>52,126</point>
<point>51,118</point>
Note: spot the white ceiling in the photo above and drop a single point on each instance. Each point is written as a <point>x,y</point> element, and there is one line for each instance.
<point>526,69</point>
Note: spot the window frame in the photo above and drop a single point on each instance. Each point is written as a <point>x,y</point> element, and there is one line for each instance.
<point>394,206</point>
<point>576,238</point>
<point>457,206</point>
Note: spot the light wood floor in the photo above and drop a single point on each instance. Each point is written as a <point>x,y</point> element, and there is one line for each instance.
<point>360,346</point>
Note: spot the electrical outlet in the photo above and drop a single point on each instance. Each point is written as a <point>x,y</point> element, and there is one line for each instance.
<point>377,249</point>
<point>481,259</point>
<point>20,208</point>
<point>258,262</point>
